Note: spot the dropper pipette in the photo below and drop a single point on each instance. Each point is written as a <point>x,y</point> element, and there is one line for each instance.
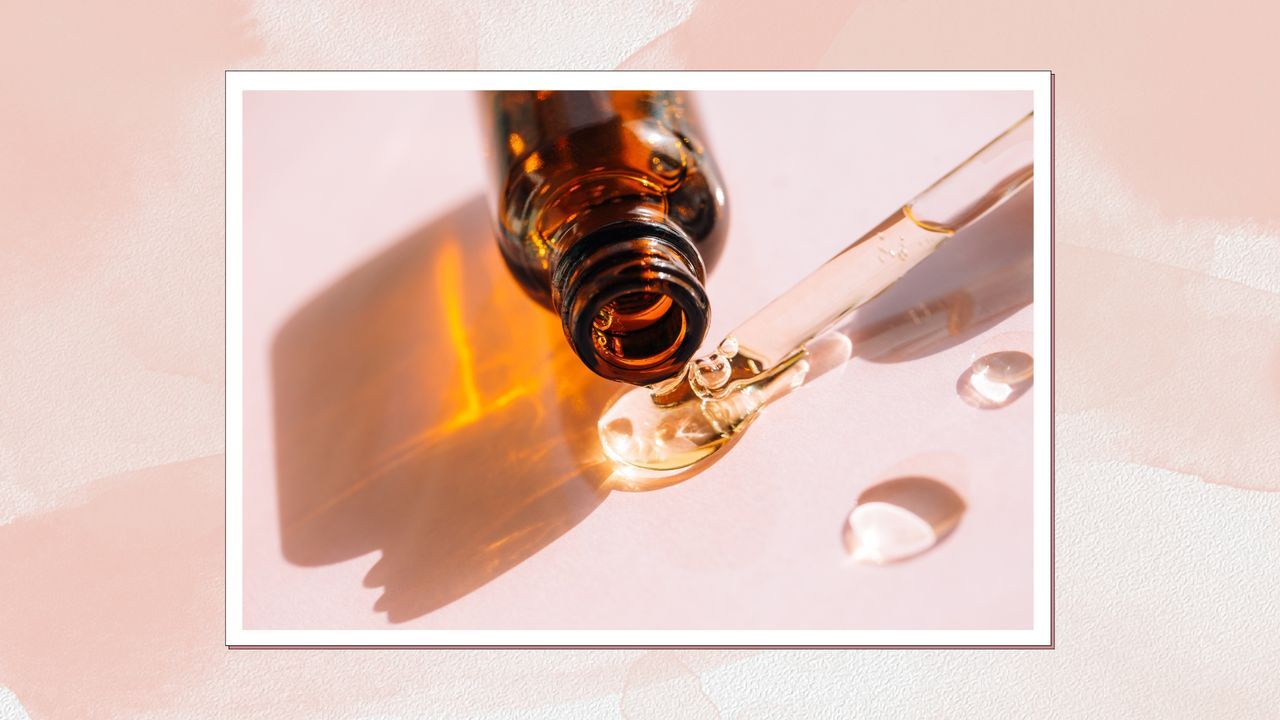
<point>716,396</point>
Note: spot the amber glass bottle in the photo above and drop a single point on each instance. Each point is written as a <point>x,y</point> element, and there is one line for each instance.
<point>610,212</point>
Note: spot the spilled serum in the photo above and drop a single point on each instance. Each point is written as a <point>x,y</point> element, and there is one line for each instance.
<point>610,212</point>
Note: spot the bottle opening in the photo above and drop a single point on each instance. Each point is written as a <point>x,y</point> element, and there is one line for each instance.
<point>632,301</point>
<point>639,329</point>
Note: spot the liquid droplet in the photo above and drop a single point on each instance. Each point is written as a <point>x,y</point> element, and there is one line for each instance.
<point>996,380</point>
<point>901,518</point>
<point>728,347</point>
<point>713,371</point>
<point>636,431</point>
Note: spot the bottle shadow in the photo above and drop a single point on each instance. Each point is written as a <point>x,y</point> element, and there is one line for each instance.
<point>426,408</point>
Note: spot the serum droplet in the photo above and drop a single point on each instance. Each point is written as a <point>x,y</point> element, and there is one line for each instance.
<point>996,380</point>
<point>901,518</point>
<point>635,432</point>
<point>638,432</point>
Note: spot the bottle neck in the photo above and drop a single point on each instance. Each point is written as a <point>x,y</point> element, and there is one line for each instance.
<point>630,296</point>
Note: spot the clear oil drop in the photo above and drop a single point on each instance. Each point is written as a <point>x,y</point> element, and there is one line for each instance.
<point>901,518</point>
<point>996,380</point>
<point>637,431</point>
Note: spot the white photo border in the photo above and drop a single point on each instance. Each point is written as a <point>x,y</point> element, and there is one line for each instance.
<point>1039,83</point>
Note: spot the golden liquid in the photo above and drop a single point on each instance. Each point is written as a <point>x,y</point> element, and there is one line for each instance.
<point>640,435</point>
<point>559,154</point>
<point>638,432</point>
<point>568,163</point>
<point>639,329</point>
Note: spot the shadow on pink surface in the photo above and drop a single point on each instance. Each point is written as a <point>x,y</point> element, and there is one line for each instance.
<point>978,278</point>
<point>426,408</point>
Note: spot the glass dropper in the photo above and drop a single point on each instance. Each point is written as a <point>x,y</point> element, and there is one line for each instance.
<point>683,420</point>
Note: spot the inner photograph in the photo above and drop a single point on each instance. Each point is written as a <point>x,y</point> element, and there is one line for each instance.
<point>757,364</point>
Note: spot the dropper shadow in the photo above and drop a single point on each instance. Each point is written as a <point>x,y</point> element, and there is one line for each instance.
<point>426,408</point>
<point>977,279</point>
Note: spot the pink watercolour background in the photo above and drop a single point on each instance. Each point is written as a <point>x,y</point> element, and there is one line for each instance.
<point>110,453</point>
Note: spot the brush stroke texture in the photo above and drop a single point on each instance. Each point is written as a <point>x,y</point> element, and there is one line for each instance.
<point>111,305</point>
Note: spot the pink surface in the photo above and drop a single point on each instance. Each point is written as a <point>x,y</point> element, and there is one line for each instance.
<point>434,435</point>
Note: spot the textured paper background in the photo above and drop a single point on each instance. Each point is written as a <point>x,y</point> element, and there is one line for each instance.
<point>1168,349</point>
